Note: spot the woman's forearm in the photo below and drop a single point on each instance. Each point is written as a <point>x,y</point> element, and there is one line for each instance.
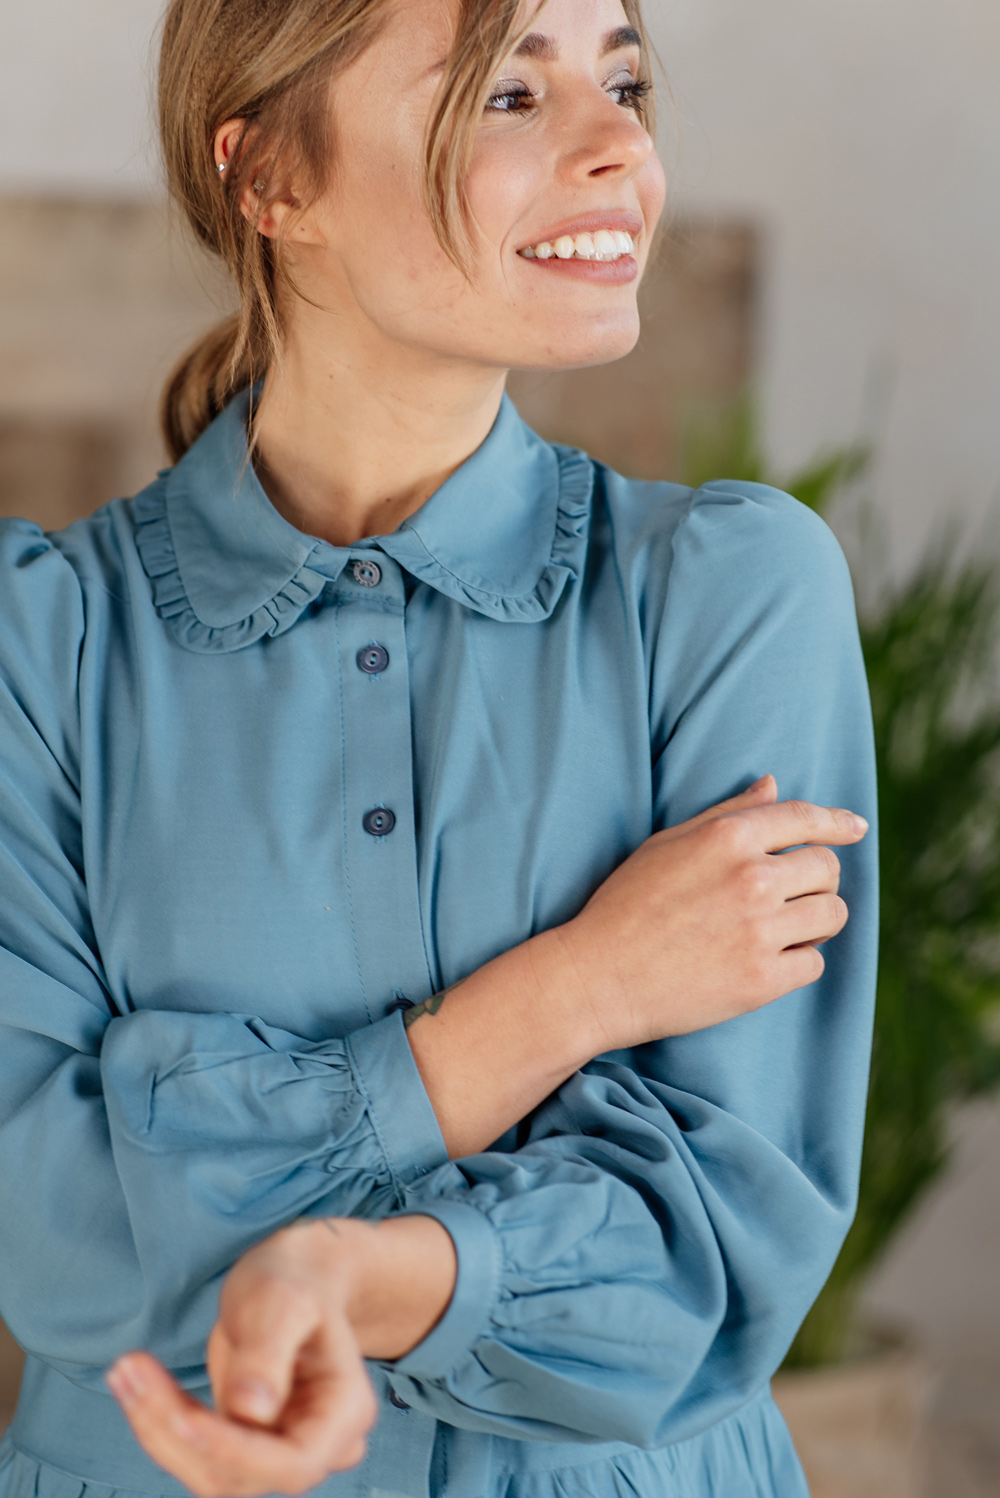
<point>491,1048</point>
<point>701,924</point>
<point>399,1276</point>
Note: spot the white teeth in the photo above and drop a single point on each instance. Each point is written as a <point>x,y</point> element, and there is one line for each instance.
<point>604,244</point>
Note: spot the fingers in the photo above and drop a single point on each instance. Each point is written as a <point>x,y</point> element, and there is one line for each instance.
<point>789,824</point>
<point>323,1429</point>
<point>763,792</point>
<point>806,871</point>
<point>798,967</point>
<point>261,1331</point>
<point>813,918</point>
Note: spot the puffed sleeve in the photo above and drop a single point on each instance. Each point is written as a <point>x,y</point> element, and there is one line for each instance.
<point>141,1154</point>
<point>637,1270</point>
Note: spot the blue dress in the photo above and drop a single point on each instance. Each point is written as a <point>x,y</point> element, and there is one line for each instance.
<point>205,938</point>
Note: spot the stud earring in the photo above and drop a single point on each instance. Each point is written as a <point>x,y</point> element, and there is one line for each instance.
<point>221,167</point>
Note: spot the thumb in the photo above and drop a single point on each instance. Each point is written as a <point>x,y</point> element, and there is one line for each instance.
<point>256,1349</point>
<point>763,792</point>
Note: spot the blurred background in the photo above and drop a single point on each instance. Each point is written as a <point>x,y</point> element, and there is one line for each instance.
<point>824,311</point>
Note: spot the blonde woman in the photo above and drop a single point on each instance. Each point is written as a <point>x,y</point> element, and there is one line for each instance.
<point>389,939</point>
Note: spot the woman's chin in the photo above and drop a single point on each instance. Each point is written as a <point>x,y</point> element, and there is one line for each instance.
<point>574,349</point>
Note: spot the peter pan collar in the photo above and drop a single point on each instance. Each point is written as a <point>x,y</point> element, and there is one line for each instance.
<point>503,536</point>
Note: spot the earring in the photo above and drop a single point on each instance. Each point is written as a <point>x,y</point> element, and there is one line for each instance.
<point>221,167</point>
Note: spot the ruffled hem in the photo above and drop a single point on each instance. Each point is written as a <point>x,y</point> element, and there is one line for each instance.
<point>749,1455</point>
<point>23,1476</point>
<point>155,545</point>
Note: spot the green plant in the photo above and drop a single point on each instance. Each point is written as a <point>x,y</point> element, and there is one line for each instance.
<point>931,650</point>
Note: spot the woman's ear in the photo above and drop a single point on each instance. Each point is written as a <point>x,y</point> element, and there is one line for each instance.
<point>227,139</point>
<point>276,218</point>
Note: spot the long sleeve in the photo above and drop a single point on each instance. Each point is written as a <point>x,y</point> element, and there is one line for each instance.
<point>141,1153</point>
<point>637,1270</point>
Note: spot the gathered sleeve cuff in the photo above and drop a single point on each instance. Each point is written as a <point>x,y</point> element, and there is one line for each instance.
<point>399,1110</point>
<point>477,1288</point>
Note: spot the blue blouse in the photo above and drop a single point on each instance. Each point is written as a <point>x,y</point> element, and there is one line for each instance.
<point>205,937</point>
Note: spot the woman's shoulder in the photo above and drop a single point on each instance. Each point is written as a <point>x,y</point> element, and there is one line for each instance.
<point>54,583</point>
<point>729,533</point>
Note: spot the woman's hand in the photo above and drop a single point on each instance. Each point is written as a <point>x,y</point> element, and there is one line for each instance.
<point>298,1315</point>
<point>701,924</point>
<point>704,922</point>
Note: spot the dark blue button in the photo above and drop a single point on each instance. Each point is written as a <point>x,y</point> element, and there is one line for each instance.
<point>368,574</point>
<point>379,821</point>
<point>394,1398</point>
<point>373,659</point>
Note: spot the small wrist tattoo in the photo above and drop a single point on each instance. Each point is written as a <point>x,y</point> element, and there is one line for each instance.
<point>429,1006</point>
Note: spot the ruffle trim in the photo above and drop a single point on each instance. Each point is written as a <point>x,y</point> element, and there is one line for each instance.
<point>23,1476</point>
<point>159,559</point>
<point>750,1455</point>
<point>157,553</point>
<point>576,482</point>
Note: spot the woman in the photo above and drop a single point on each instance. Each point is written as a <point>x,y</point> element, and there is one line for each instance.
<point>342,931</point>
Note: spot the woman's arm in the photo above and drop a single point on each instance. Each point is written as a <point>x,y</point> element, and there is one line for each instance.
<point>297,1317</point>
<point>701,924</point>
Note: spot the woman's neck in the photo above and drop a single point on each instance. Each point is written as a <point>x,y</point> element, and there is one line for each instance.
<point>353,437</point>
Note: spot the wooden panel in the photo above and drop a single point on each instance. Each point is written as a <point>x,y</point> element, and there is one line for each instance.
<point>54,469</point>
<point>695,350</point>
<point>11,1362</point>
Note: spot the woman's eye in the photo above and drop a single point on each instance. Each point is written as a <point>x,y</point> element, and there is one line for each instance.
<point>631,92</point>
<point>510,99</point>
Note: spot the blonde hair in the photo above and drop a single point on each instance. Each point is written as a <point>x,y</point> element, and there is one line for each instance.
<point>272,63</point>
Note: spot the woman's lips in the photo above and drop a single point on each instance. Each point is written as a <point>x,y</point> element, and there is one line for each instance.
<point>603,272</point>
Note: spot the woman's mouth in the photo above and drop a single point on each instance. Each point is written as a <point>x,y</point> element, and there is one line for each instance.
<point>604,245</point>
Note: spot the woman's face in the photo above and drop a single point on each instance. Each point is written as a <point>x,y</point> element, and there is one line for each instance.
<point>560,152</point>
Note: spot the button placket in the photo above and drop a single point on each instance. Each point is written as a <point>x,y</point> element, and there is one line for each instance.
<point>378,779</point>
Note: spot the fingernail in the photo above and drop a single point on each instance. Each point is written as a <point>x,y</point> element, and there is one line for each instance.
<point>186,1429</point>
<point>125,1381</point>
<point>757,783</point>
<point>251,1397</point>
<point>860,825</point>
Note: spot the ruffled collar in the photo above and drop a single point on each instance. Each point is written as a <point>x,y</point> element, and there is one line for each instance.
<point>503,536</point>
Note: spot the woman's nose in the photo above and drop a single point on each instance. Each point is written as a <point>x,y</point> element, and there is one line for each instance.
<point>610,142</point>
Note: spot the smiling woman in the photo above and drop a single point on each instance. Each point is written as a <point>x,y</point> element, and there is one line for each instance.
<point>407,1019</point>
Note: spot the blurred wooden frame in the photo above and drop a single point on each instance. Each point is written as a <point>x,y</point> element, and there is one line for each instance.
<point>97,299</point>
<point>695,350</point>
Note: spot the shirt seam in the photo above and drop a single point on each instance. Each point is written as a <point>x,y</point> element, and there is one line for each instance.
<point>343,803</point>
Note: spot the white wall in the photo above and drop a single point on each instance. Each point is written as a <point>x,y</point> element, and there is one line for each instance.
<point>867,134</point>
<point>74,86</point>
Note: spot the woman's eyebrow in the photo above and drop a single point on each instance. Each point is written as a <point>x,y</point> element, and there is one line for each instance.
<point>535,44</point>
